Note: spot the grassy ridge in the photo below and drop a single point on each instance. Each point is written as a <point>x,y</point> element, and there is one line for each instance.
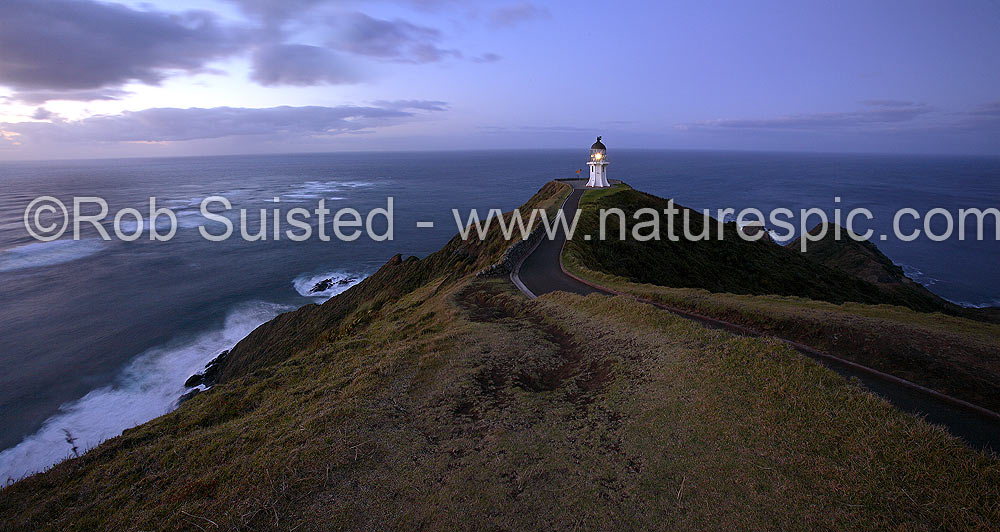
<point>864,260</point>
<point>947,353</point>
<point>457,404</point>
<point>303,328</point>
<point>464,406</point>
<point>730,264</point>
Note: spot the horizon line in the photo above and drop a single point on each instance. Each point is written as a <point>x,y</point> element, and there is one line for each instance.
<point>963,155</point>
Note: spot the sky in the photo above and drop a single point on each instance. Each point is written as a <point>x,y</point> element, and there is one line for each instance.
<point>82,78</point>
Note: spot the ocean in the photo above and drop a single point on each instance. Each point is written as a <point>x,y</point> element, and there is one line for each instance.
<point>98,336</point>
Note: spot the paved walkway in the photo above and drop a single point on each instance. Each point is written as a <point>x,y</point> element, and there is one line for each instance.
<point>541,272</point>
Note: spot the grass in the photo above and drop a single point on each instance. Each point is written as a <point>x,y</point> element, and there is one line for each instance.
<point>305,328</point>
<point>863,259</point>
<point>951,354</point>
<point>458,404</point>
<point>467,407</point>
<point>730,264</point>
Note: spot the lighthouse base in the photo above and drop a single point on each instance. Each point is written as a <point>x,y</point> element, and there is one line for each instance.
<point>598,175</point>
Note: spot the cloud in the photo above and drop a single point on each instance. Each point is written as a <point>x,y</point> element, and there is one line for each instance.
<point>394,40</point>
<point>985,117</point>
<point>988,111</point>
<point>172,124</point>
<point>488,57</point>
<point>42,114</point>
<point>357,33</point>
<point>423,105</point>
<point>38,97</point>
<point>889,103</point>
<point>881,114</point>
<point>299,64</point>
<point>535,129</point>
<point>277,10</point>
<point>73,45</point>
<point>514,14</point>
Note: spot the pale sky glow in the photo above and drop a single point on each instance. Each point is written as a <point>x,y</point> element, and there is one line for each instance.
<point>81,78</point>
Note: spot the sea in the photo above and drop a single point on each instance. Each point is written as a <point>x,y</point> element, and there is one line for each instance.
<point>99,336</point>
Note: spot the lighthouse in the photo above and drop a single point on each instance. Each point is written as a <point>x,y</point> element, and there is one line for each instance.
<point>598,164</point>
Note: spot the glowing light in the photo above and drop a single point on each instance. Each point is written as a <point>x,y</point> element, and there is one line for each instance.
<point>597,156</point>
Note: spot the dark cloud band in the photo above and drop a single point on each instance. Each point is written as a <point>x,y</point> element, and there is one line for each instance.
<point>172,124</point>
<point>299,64</point>
<point>78,46</point>
<point>880,113</point>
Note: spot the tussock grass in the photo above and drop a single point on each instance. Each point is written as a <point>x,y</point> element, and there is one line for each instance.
<point>458,404</point>
<point>883,330</point>
<point>468,407</point>
<point>955,356</point>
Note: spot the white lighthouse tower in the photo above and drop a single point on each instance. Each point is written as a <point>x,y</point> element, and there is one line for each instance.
<point>598,164</point>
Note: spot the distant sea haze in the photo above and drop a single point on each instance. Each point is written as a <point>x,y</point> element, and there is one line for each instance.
<point>98,336</point>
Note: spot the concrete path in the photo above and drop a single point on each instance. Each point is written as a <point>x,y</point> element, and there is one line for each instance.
<point>541,272</point>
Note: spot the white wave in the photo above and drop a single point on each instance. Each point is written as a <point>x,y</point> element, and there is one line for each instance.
<point>186,219</point>
<point>919,276</point>
<point>322,189</point>
<point>969,304</point>
<point>335,185</point>
<point>731,218</point>
<point>17,225</point>
<point>301,192</point>
<point>148,387</point>
<point>39,254</point>
<point>927,281</point>
<point>775,238</point>
<point>305,197</point>
<point>192,219</point>
<point>339,281</point>
<point>180,203</point>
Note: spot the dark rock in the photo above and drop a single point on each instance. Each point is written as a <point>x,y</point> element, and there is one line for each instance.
<point>322,286</point>
<point>753,229</point>
<point>327,284</point>
<point>213,370</point>
<point>209,377</point>
<point>194,380</point>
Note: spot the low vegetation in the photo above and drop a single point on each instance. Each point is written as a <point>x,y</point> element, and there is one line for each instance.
<point>864,260</point>
<point>426,398</point>
<point>727,264</point>
<point>890,323</point>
